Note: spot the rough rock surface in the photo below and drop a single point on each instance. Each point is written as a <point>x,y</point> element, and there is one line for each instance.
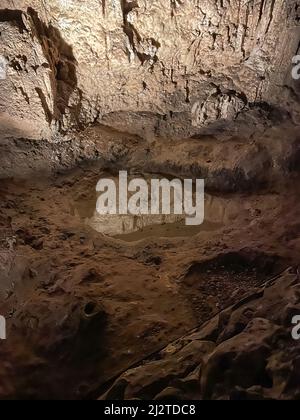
<point>177,66</point>
<point>185,88</point>
<point>244,353</point>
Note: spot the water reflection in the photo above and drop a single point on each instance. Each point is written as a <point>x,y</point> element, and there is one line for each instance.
<point>133,228</point>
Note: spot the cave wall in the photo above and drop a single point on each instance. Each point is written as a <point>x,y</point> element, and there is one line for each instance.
<point>70,63</point>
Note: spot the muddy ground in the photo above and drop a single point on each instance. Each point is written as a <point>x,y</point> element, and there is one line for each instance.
<point>82,307</point>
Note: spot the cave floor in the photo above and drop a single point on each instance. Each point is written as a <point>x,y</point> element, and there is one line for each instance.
<point>57,272</point>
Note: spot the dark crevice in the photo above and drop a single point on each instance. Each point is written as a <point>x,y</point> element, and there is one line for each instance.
<point>13,16</point>
<point>104,7</point>
<point>129,30</point>
<point>47,111</point>
<point>174,4</point>
<point>26,97</point>
<point>133,35</point>
<point>271,15</point>
<point>262,4</point>
<point>188,92</point>
<point>60,57</point>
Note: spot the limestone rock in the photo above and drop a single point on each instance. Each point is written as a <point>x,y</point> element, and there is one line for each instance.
<point>72,63</point>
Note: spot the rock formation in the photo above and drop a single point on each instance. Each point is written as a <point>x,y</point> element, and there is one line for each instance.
<point>73,63</point>
<point>184,88</point>
<point>244,353</point>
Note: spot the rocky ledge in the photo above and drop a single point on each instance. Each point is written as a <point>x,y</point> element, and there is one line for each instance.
<point>245,353</point>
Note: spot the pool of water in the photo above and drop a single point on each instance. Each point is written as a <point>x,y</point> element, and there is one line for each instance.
<point>132,228</point>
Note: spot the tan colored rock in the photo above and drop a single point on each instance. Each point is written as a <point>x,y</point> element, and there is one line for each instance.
<point>73,63</point>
